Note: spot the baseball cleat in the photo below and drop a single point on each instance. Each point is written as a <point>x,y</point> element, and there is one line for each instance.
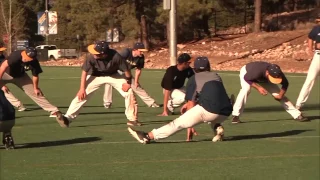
<point>235,120</point>
<point>7,141</point>
<point>62,120</point>
<point>219,133</point>
<point>140,136</point>
<point>107,106</point>
<point>21,108</point>
<point>134,123</point>
<point>301,118</point>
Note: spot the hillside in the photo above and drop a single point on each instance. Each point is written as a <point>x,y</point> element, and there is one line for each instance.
<point>230,52</point>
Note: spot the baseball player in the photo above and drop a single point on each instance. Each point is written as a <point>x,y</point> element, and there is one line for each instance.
<point>17,64</point>
<point>207,101</point>
<point>173,83</point>
<point>100,68</point>
<point>7,121</point>
<point>5,89</point>
<point>313,72</point>
<point>264,77</point>
<point>135,59</point>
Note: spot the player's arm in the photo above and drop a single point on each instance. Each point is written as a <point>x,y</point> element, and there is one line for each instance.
<point>166,97</point>
<point>137,77</point>
<point>283,90</point>
<point>167,85</point>
<point>251,82</point>
<point>3,69</point>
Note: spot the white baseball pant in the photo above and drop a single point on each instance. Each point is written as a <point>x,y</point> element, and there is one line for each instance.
<point>145,97</point>
<point>191,118</point>
<point>177,98</point>
<point>271,88</point>
<point>93,84</point>
<point>313,72</point>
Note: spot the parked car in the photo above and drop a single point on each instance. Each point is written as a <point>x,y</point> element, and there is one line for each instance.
<point>55,53</point>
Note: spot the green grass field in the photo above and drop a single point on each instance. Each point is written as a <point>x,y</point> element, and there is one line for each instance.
<point>269,145</point>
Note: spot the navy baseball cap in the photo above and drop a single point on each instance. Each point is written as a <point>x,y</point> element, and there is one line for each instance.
<point>275,74</point>
<point>29,53</point>
<point>201,63</point>
<point>184,57</point>
<point>139,46</point>
<point>100,47</point>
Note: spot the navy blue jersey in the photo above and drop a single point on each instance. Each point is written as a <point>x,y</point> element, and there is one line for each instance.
<point>7,111</point>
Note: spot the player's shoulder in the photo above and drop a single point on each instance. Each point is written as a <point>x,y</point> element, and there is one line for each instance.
<point>15,56</point>
<point>125,53</point>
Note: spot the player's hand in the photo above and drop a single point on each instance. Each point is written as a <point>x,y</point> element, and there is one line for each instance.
<point>165,113</point>
<point>190,133</point>
<point>262,91</point>
<point>38,92</point>
<point>81,94</point>
<point>5,89</point>
<point>126,87</point>
<point>183,109</point>
<point>137,84</point>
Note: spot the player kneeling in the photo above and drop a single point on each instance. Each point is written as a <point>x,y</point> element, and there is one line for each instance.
<point>207,101</point>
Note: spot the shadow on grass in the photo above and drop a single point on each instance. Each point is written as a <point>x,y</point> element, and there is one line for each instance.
<point>58,143</point>
<point>244,137</point>
<point>311,118</point>
<point>123,123</point>
<point>279,108</point>
<point>269,135</point>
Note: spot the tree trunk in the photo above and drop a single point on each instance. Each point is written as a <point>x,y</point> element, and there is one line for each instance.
<point>257,16</point>
<point>144,32</point>
<point>168,32</point>
<point>205,25</point>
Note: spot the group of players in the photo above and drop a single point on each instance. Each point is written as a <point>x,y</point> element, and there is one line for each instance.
<point>203,99</point>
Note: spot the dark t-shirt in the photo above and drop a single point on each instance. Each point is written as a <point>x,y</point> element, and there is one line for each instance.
<point>105,67</point>
<point>256,72</point>
<point>17,68</point>
<point>133,62</point>
<point>315,35</point>
<point>174,79</point>
<point>207,89</point>
<point>2,58</point>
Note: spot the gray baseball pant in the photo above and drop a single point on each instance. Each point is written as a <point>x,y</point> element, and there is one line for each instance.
<point>25,83</point>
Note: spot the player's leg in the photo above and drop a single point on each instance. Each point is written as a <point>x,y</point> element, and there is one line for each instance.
<point>177,98</point>
<point>14,101</point>
<point>25,83</point>
<point>285,102</point>
<point>93,84</point>
<point>7,121</point>
<point>107,96</point>
<point>191,118</point>
<point>313,72</point>
<point>241,100</point>
<point>145,97</point>
<point>131,105</point>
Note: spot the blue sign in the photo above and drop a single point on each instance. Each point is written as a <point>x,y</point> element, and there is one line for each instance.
<point>42,23</point>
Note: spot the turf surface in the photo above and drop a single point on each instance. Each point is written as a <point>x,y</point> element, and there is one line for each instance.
<point>269,145</point>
